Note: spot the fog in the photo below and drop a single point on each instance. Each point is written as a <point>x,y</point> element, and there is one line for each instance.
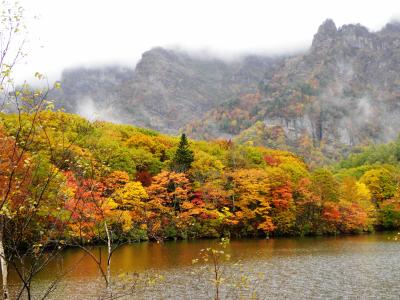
<point>71,33</point>
<point>89,110</point>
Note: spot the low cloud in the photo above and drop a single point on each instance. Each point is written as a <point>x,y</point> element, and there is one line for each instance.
<point>88,109</point>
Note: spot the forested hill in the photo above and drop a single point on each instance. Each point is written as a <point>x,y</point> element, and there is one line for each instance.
<point>65,170</point>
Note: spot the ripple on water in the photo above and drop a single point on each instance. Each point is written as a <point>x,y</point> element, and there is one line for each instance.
<point>347,268</point>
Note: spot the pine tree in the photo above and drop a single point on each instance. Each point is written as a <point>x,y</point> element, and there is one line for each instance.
<point>184,157</point>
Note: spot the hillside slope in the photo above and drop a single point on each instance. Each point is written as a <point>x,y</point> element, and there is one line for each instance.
<point>96,173</point>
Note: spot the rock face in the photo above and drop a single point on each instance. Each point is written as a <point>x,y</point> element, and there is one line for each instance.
<point>93,92</point>
<point>170,89</point>
<point>166,90</point>
<point>347,85</point>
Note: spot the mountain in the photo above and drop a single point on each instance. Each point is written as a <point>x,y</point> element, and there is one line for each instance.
<point>345,88</point>
<point>165,91</point>
<point>344,91</point>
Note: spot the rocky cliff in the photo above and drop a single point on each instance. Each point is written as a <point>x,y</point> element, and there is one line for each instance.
<point>165,91</point>
<point>345,90</point>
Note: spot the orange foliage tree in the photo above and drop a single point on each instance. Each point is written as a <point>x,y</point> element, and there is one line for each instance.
<point>168,194</point>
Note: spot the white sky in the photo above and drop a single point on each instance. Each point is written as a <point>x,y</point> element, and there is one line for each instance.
<point>89,32</point>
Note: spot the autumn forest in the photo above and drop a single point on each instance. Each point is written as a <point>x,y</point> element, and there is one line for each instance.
<point>193,176</point>
<point>79,177</point>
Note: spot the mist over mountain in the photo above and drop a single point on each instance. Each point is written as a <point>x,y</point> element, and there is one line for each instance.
<point>165,91</point>
<point>342,92</point>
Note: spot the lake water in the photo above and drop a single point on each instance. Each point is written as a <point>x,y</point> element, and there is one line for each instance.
<point>350,267</point>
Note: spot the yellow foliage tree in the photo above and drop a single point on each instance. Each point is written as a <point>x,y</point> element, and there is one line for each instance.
<point>130,204</point>
<point>358,211</point>
<point>252,205</point>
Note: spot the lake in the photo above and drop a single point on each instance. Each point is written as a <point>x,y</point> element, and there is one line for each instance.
<point>347,267</point>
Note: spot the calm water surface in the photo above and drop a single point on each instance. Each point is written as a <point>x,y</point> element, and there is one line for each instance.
<point>352,267</point>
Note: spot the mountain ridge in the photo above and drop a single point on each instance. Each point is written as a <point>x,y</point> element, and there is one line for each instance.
<point>163,83</point>
<point>342,92</point>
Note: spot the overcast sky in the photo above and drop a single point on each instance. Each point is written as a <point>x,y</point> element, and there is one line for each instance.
<point>90,32</point>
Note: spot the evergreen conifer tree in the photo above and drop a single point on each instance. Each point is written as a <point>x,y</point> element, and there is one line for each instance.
<point>183,157</point>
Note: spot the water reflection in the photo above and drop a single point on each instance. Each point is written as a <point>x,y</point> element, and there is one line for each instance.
<point>294,268</point>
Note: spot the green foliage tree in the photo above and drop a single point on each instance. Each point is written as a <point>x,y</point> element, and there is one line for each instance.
<point>324,185</point>
<point>183,157</point>
<point>381,182</point>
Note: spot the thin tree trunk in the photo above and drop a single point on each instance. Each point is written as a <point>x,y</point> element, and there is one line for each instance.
<point>108,258</point>
<point>28,291</point>
<point>3,261</point>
